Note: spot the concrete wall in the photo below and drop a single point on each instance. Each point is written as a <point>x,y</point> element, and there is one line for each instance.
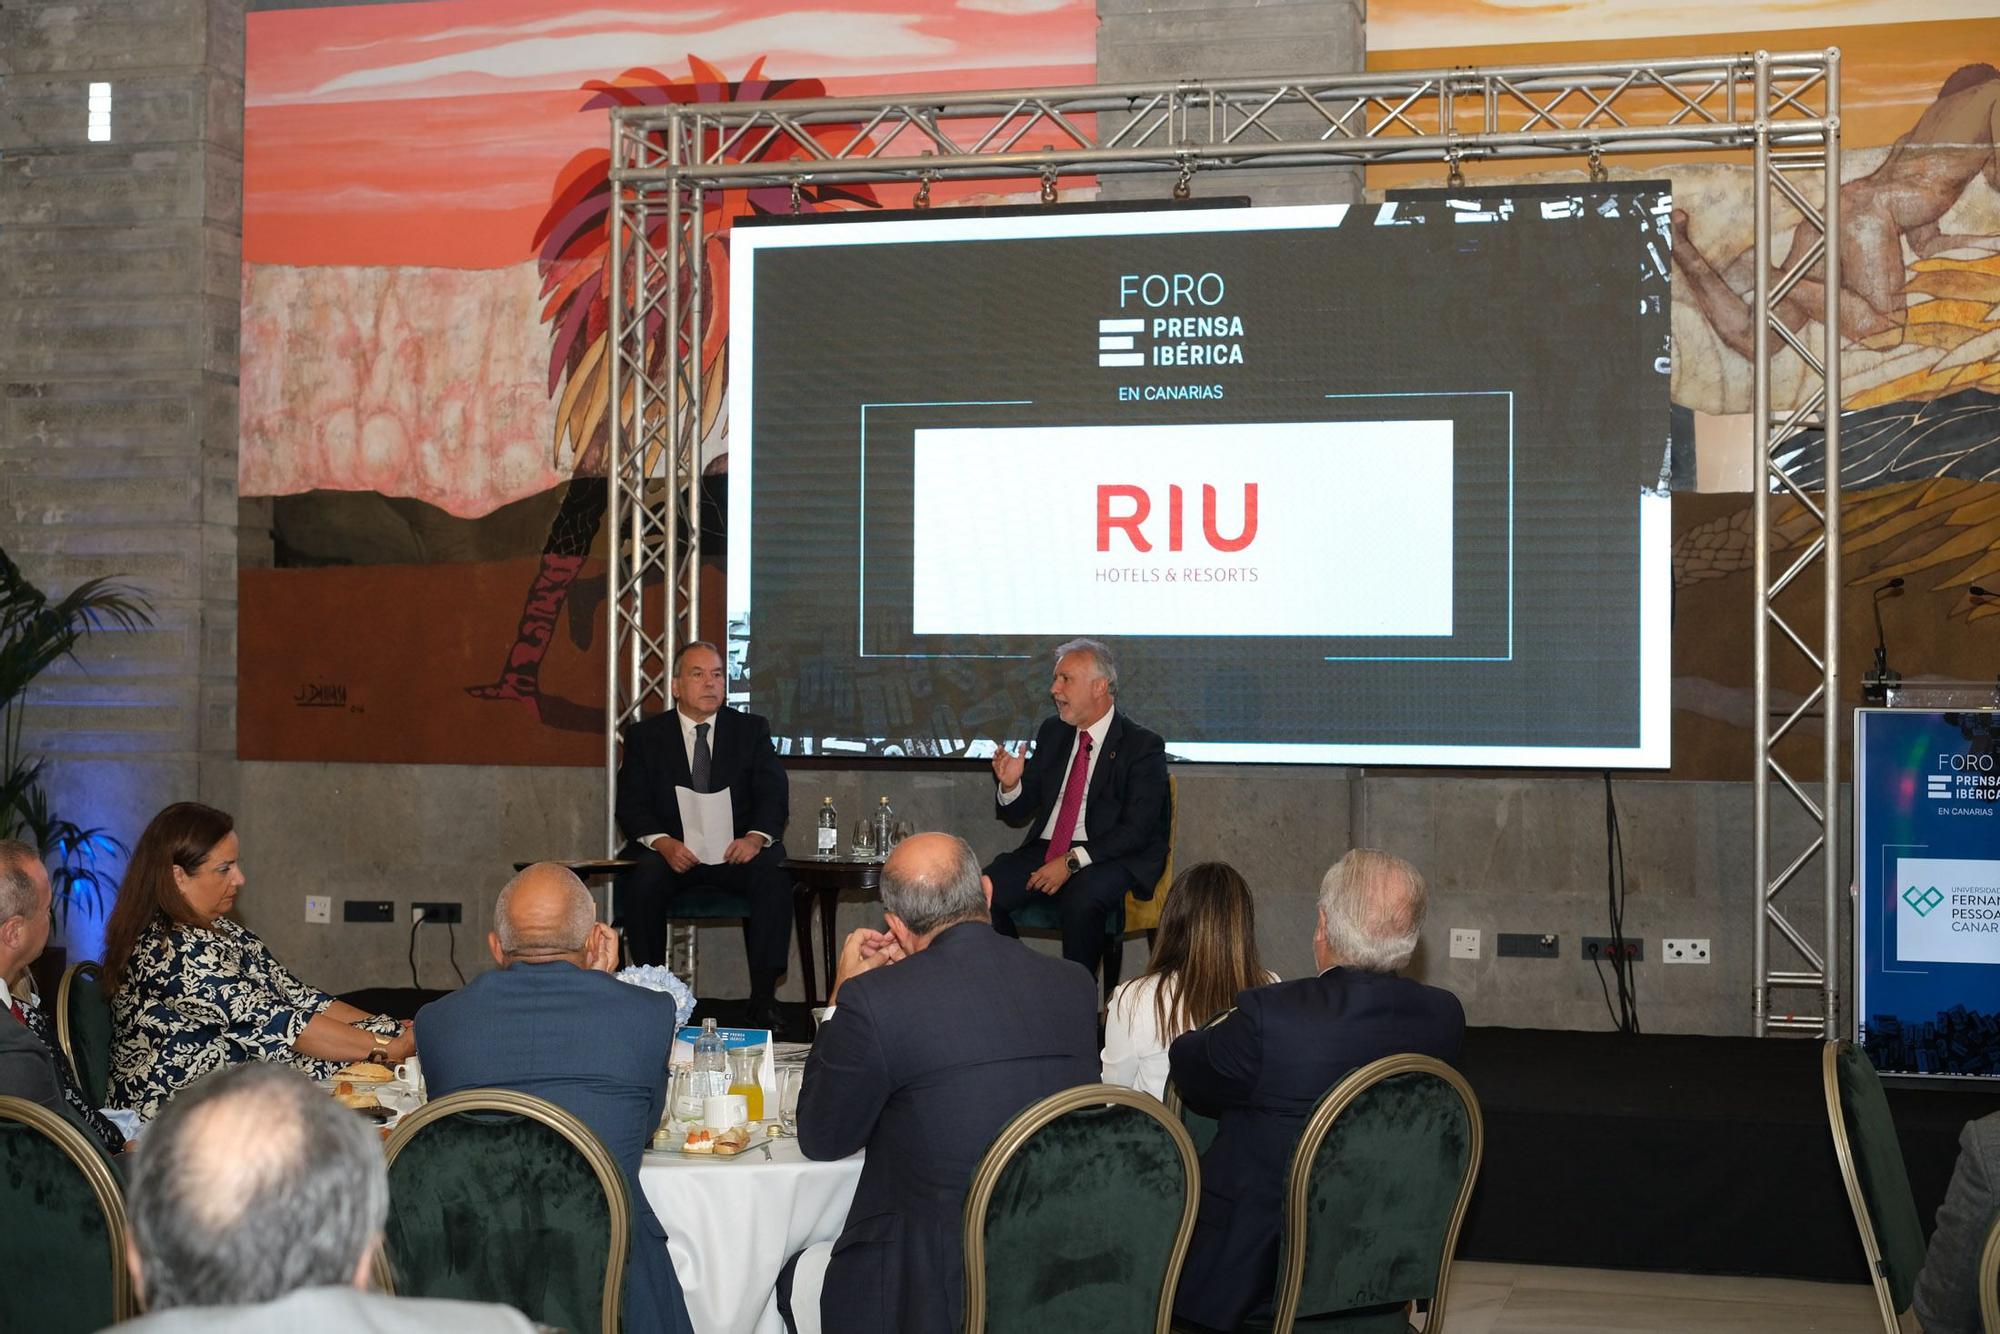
<point>119,310</point>
<point>1502,854</point>
<point>1144,41</point>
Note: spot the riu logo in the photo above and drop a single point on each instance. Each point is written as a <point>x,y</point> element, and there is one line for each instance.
<point>1126,509</point>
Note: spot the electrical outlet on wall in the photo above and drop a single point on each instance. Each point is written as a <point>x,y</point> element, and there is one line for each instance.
<point>1684,950</point>
<point>1464,943</point>
<point>319,908</point>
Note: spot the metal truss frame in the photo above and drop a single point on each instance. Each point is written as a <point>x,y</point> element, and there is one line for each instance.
<point>1783,109</point>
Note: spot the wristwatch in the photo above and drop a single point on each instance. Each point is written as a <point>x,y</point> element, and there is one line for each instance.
<point>381,1045</point>
<point>1074,862</point>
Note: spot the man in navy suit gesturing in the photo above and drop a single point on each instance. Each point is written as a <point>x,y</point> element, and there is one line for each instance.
<point>699,744</point>
<point>1094,800</point>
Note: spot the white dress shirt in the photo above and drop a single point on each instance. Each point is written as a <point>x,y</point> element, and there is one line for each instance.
<point>1096,731</point>
<point>1135,1050</point>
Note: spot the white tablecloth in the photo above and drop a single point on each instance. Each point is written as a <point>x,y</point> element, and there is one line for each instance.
<point>732,1223</point>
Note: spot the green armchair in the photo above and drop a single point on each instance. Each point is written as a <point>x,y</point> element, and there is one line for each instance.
<point>1878,1184</point>
<point>1061,1169</point>
<point>83,1029</point>
<point>1379,1187</point>
<point>65,1226</point>
<point>497,1196</point>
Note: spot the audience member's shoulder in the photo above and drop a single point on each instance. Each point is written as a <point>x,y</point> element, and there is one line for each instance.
<point>344,1309</point>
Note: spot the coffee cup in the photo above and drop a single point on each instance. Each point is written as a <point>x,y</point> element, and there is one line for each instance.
<point>725,1110</point>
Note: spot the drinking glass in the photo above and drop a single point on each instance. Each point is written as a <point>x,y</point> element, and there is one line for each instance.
<point>791,1078</point>
<point>902,831</point>
<point>864,839</point>
<point>683,1096</point>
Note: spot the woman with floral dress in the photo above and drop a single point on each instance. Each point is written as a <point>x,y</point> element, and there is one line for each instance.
<point>192,991</point>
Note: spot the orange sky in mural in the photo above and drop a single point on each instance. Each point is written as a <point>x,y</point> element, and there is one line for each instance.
<point>1889,72</point>
<point>428,134</point>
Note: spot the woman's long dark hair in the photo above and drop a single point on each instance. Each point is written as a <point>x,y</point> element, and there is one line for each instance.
<point>181,835</point>
<point>1207,947</point>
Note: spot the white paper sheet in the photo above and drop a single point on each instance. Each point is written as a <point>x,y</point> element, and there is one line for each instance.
<point>708,823</point>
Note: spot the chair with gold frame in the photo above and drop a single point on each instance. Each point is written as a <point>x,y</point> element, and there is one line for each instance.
<point>478,1183</point>
<point>83,1029</point>
<point>1378,1190</point>
<point>1877,1181</point>
<point>1064,1168</point>
<point>65,1226</point>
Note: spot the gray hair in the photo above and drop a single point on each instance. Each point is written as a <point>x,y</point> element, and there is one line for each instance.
<point>19,895</point>
<point>935,893</point>
<point>580,913</point>
<point>690,647</point>
<point>1373,906</point>
<point>252,1184</point>
<point>1100,657</point>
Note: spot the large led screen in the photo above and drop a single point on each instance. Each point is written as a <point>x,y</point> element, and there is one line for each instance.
<point>1381,484</point>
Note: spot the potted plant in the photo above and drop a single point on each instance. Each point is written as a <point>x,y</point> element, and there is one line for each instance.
<point>35,632</point>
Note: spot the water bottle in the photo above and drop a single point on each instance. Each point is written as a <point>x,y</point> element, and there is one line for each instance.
<point>829,828</point>
<point>711,1066</point>
<point>885,820</point>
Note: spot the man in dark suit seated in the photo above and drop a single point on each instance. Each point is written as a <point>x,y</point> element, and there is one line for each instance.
<point>699,744</point>
<point>921,1063</point>
<point>258,1205</point>
<point>1261,1068</point>
<point>30,1065</point>
<point>1094,799</point>
<point>1947,1294</point>
<point>543,1024</point>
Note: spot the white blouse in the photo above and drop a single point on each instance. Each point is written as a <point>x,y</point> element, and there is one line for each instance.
<point>1135,1051</point>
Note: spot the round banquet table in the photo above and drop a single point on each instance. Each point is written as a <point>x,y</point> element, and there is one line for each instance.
<point>733,1222</point>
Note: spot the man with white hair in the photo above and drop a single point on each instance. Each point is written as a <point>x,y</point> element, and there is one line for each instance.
<point>553,1021</point>
<point>1261,1068</point>
<point>257,1203</point>
<point>1094,798</point>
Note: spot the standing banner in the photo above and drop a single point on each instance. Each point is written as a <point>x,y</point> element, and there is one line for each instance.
<point>1927,876</point>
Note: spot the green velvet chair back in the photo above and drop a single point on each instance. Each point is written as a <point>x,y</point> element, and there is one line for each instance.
<point>1878,1184</point>
<point>497,1196</point>
<point>1379,1186</point>
<point>1201,1129</point>
<point>1108,1172</point>
<point>83,1029</point>
<point>64,1244</point>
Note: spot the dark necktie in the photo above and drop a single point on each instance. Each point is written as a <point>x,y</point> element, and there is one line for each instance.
<point>1072,799</point>
<point>699,765</point>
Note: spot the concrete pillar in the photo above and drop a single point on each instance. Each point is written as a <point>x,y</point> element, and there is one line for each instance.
<point>1169,40</point>
<point>120,277</point>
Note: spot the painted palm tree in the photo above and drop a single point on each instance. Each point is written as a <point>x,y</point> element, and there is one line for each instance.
<point>573,255</point>
<point>35,633</point>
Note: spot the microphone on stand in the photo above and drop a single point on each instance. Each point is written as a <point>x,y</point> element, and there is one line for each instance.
<point>1875,685</point>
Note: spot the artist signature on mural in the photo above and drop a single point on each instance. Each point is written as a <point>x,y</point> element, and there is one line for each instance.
<point>323,695</point>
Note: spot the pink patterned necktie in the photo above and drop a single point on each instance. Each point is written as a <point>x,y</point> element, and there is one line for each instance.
<point>1072,802</point>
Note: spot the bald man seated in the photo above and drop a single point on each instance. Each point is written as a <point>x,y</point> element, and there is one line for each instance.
<point>539,1023</point>
<point>258,1204</point>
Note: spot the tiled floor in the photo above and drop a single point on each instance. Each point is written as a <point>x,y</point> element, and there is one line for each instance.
<point>1528,1299</point>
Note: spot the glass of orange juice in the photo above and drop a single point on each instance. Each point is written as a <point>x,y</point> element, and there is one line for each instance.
<point>743,1078</point>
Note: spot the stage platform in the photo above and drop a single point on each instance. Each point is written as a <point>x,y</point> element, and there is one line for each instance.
<point>1674,1152</point>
